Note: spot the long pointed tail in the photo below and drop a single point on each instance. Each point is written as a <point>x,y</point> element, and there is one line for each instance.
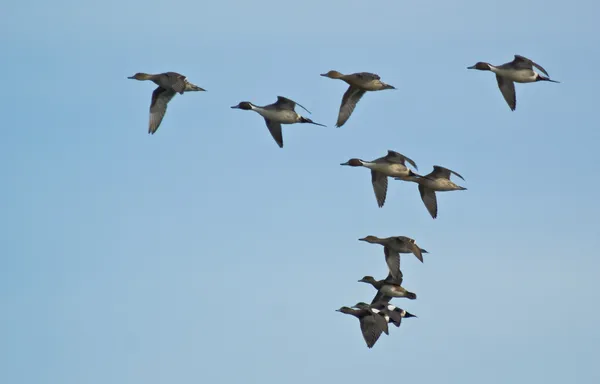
<point>189,87</point>
<point>543,78</point>
<point>305,120</point>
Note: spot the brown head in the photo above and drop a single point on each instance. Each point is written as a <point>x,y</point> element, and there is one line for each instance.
<point>140,76</point>
<point>481,66</point>
<point>346,310</point>
<point>353,163</point>
<point>245,105</point>
<point>333,74</point>
<point>370,239</point>
<point>368,279</point>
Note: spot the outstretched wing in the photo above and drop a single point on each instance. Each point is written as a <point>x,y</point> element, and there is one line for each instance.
<point>441,172</point>
<point>396,157</point>
<point>275,129</point>
<point>158,107</point>
<point>392,258</point>
<point>527,63</point>
<point>351,97</point>
<point>380,184</point>
<point>285,103</point>
<point>370,329</point>
<point>429,199</point>
<point>507,88</point>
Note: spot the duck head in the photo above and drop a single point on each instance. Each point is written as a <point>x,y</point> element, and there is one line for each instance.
<point>140,76</point>
<point>370,239</point>
<point>245,105</point>
<point>481,66</point>
<point>367,279</point>
<point>353,163</point>
<point>345,310</point>
<point>333,74</point>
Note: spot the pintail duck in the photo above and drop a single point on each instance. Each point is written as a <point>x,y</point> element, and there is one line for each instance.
<point>388,288</point>
<point>371,324</point>
<point>169,84</point>
<point>438,180</point>
<point>393,247</point>
<point>280,112</point>
<point>359,84</point>
<point>393,165</point>
<point>519,70</point>
<point>390,313</point>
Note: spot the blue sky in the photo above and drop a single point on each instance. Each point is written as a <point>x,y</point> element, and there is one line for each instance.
<point>205,253</point>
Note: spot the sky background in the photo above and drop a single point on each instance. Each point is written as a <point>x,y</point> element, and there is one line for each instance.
<point>206,253</point>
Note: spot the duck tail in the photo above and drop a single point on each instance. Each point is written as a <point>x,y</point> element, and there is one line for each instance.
<point>543,78</point>
<point>305,120</point>
<point>189,87</point>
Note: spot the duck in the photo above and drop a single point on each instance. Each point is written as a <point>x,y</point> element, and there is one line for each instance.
<point>393,247</point>
<point>280,112</point>
<point>169,84</point>
<point>388,288</point>
<point>390,313</point>
<point>438,180</point>
<point>371,324</point>
<point>391,165</point>
<point>359,83</point>
<point>520,70</point>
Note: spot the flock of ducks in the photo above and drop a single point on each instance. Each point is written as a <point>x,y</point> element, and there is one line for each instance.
<point>374,317</point>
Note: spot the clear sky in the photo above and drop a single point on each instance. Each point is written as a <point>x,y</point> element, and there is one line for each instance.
<point>207,254</point>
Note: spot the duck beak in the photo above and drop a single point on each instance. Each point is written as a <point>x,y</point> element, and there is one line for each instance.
<point>362,239</point>
<point>131,77</point>
<point>346,163</point>
<point>471,67</point>
<point>235,107</point>
<point>408,314</point>
<point>324,74</point>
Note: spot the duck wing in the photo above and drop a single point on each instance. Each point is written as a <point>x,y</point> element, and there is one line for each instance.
<point>285,103</point>
<point>507,88</point>
<point>380,184</point>
<point>523,62</point>
<point>351,97</point>
<point>444,173</point>
<point>275,129</point>
<point>429,199</point>
<point>158,107</point>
